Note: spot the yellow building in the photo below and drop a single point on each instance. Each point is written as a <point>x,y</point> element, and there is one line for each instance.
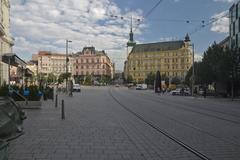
<point>6,41</point>
<point>172,58</point>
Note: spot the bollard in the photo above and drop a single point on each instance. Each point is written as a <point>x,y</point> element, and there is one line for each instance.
<point>63,112</point>
<point>56,101</point>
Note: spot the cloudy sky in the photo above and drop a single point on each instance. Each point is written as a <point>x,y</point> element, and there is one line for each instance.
<point>46,24</point>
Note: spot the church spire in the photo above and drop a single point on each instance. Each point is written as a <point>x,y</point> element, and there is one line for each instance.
<point>131,41</point>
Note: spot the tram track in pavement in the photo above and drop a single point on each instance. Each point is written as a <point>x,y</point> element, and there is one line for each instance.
<point>189,125</point>
<point>199,107</point>
<point>183,107</point>
<point>160,130</point>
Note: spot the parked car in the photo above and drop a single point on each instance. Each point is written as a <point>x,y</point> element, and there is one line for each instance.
<point>76,88</point>
<point>187,92</point>
<point>176,92</point>
<point>117,85</point>
<point>141,87</point>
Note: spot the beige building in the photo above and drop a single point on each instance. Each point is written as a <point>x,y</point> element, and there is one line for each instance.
<point>55,63</point>
<point>6,41</point>
<point>32,66</point>
<point>173,59</point>
<point>92,62</point>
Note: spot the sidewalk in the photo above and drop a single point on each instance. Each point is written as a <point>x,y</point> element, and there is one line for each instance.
<point>85,134</point>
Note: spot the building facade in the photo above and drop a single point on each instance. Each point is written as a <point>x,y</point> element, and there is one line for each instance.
<point>6,41</point>
<point>234,25</point>
<point>92,62</point>
<point>173,59</point>
<point>55,63</point>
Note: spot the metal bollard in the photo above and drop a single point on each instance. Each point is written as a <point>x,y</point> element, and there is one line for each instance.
<point>56,101</point>
<point>63,112</point>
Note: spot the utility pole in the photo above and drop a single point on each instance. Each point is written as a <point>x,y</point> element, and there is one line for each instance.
<point>67,60</point>
<point>193,76</point>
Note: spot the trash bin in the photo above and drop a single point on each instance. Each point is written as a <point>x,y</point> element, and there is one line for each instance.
<point>3,150</point>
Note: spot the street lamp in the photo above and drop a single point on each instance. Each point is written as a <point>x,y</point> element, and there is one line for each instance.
<point>193,77</point>
<point>67,60</point>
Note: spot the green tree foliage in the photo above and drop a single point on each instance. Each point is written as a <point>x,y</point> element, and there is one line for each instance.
<point>216,66</point>
<point>175,80</point>
<point>129,79</point>
<point>150,78</point>
<point>51,78</point>
<point>33,95</point>
<point>63,76</point>
<point>88,79</point>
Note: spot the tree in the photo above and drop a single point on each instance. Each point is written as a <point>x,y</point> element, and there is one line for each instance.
<point>150,78</point>
<point>51,78</point>
<point>63,76</point>
<point>175,80</point>
<point>129,79</point>
<point>216,66</point>
<point>88,79</point>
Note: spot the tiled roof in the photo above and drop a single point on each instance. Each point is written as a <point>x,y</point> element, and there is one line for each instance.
<point>159,46</point>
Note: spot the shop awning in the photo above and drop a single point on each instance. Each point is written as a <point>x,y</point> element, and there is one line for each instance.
<point>14,60</point>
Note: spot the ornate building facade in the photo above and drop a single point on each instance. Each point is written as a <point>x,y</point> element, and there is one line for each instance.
<point>55,63</point>
<point>172,58</point>
<point>92,62</point>
<point>6,41</point>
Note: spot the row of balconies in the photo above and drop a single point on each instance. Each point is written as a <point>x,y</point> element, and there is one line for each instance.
<point>166,60</point>
<point>167,73</point>
<point>149,56</point>
<point>174,67</point>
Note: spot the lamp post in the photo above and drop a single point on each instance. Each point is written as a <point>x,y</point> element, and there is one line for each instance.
<point>67,60</point>
<point>193,76</point>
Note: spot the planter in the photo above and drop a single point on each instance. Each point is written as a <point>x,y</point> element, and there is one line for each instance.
<point>30,104</point>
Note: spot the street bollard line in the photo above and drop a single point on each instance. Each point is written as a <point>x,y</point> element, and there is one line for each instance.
<point>63,111</point>
<point>56,101</point>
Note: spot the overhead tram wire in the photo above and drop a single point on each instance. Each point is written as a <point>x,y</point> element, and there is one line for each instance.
<point>211,21</point>
<point>149,12</point>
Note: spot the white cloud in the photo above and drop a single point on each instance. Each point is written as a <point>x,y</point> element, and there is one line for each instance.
<point>198,57</point>
<point>228,1</point>
<point>222,23</point>
<point>44,25</point>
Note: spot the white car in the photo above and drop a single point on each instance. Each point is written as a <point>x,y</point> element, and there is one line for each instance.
<point>141,87</point>
<point>76,88</point>
<point>176,92</point>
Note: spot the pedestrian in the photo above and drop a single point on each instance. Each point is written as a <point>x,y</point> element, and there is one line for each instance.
<point>204,91</point>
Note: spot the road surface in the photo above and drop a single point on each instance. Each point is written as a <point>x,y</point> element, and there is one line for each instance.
<point>123,124</point>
